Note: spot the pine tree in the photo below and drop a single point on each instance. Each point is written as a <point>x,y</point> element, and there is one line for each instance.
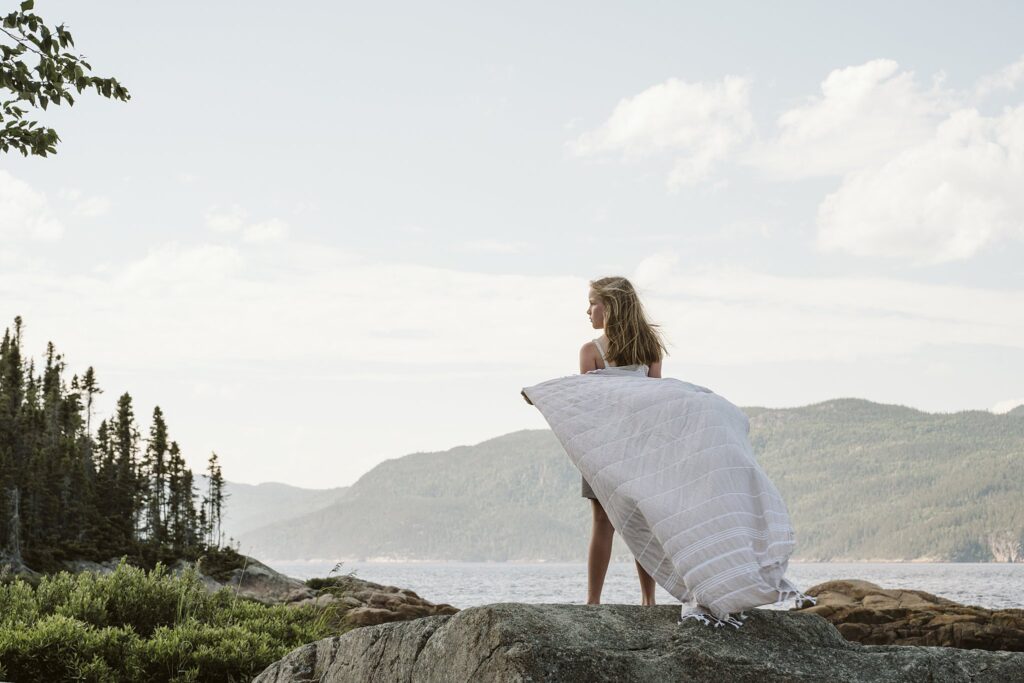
<point>156,471</point>
<point>126,495</point>
<point>91,389</point>
<point>191,533</point>
<point>215,500</point>
<point>105,526</point>
<point>176,497</point>
<point>12,450</point>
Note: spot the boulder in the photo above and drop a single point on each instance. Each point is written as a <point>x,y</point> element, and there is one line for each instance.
<point>368,603</point>
<point>868,614</point>
<point>522,642</point>
<point>11,566</point>
<point>209,583</point>
<point>101,568</point>
<point>256,581</point>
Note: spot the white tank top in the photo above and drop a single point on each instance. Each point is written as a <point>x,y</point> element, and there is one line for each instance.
<point>637,368</point>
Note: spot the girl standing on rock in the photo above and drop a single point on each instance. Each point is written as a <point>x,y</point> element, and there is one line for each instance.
<point>630,344</point>
<point>674,472</point>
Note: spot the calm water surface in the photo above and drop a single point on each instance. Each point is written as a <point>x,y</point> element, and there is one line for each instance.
<point>465,584</point>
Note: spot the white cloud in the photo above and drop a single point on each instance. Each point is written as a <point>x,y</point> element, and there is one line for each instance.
<point>230,219</point>
<point>234,219</point>
<point>654,270</point>
<point>303,303</point>
<point>272,230</point>
<point>1007,78</point>
<point>1007,406</point>
<point>723,315</point>
<point>925,180</point>
<point>493,246</point>
<point>84,207</point>
<point>941,200</point>
<point>696,124</point>
<point>25,213</point>
<point>92,207</point>
<point>864,115</point>
<point>213,303</point>
<point>171,268</point>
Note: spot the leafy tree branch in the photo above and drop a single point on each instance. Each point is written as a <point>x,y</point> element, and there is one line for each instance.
<point>57,76</point>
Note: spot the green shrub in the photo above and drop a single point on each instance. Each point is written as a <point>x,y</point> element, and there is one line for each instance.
<point>220,562</point>
<point>134,625</point>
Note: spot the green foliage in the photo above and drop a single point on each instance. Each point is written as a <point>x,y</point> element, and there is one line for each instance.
<point>335,582</point>
<point>50,81</point>
<point>143,626</point>
<point>219,563</point>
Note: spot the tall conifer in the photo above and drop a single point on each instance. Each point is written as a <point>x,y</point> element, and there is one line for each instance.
<point>156,470</point>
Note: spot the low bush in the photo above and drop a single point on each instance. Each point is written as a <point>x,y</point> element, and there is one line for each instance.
<point>134,625</point>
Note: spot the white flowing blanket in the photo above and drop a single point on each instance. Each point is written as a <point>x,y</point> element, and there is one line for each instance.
<point>672,465</point>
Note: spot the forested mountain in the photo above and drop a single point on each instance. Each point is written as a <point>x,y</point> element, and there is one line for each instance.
<point>249,506</point>
<point>71,489</point>
<point>866,481</point>
<point>861,480</point>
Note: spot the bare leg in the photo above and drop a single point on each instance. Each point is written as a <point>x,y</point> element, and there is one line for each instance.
<point>600,553</point>
<point>646,586</point>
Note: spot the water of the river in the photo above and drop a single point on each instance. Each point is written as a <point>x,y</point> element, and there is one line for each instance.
<point>465,584</point>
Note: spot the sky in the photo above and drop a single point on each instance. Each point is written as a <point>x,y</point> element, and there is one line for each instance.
<point>325,235</point>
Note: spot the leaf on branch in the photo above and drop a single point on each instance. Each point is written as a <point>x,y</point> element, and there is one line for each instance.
<point>47,82</point>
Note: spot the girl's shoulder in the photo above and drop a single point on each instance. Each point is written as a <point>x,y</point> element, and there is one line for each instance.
<point>592,347</point>
<point>592,355</point>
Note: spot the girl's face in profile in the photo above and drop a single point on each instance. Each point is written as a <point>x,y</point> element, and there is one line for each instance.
<point>595,311</point>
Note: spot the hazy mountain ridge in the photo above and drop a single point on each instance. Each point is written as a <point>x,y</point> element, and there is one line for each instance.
<point>505,498</point>
<point>862,481</point>
<point>251,506</point>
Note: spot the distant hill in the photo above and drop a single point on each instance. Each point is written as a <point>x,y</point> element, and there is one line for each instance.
<point>512,497</point>
<point>862,481</point>
<point>251,506</point>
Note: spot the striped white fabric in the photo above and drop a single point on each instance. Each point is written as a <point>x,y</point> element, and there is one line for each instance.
<point>672,465</point>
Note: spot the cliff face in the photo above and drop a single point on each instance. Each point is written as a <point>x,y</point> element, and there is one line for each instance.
<point>520,642</point>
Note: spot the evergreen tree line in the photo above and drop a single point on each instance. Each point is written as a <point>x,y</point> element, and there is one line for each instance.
<point>66,493</point>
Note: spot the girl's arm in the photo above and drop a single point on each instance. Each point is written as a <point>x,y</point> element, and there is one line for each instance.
<point>588,358</point>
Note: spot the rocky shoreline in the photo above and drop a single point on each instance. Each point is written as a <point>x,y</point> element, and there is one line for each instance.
<point>857,631</point>
<point>520,642</point>
<point>869,614</point>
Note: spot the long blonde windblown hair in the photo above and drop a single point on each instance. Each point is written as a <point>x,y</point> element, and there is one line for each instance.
<point>632,338</point>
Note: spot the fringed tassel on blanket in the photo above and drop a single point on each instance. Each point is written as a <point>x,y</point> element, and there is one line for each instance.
<point>799,598</point>
<point>707,618</point>
<point>704,616</point>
